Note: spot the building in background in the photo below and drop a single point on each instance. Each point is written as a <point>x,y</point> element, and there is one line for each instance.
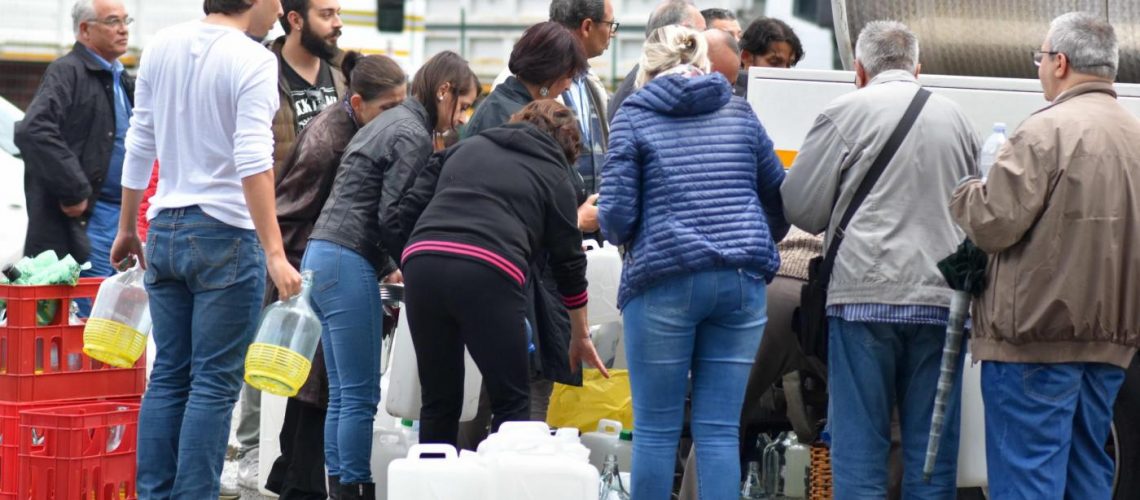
<point>35,32</point>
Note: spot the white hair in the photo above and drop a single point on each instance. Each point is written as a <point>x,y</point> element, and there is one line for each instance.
<point>83,10</point>
<point>1088,41</point>
<point>669,47</point>
<point>886,45</point>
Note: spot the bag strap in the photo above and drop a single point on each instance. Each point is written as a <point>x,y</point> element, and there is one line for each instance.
<point>872,176</point>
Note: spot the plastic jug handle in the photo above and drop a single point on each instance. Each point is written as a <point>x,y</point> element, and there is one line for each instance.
<point>605,424</point>
<point>417,451</point>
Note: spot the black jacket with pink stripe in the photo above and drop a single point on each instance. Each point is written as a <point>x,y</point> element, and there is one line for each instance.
<point>504,198</point>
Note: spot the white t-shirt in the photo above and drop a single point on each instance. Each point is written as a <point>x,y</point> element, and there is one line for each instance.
<point>205,98</point>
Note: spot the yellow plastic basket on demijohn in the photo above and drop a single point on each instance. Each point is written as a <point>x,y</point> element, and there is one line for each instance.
<point>279,359</point>
<point>117,329</point>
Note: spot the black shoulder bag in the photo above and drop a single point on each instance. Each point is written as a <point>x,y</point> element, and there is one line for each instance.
<point>810,321</point>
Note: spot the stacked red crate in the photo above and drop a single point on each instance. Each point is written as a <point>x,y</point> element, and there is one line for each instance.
<point>43,366</point>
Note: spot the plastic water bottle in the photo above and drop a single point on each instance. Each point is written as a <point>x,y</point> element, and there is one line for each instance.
<point>752,489</point>
<point>611,487</point>
<point>411,430</point>
<point>991,148</point>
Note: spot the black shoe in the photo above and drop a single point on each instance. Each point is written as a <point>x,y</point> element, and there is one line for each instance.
<point>358,491</point>
<point>334,487</point>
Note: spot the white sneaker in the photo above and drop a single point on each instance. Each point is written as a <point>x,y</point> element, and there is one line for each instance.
<point>230,479</point>
<point>248,471</point>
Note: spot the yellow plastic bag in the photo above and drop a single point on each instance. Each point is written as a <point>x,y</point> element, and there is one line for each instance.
<point>598,398</point>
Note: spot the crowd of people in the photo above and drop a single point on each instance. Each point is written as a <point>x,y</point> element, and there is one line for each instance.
<point>257,160</point>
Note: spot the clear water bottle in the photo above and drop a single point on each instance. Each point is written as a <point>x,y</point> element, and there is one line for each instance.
<point>772,475</point>
<point>990,149</point>
<point>410,430</point>
<point>279,359</point>
<point>611,486</point>
<point>753,489</point>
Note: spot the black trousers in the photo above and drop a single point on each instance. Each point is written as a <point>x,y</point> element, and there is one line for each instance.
<point>299,473</point>
<point>454,302</point>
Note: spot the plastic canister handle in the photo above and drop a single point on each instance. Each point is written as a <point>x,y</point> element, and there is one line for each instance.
<point>609,426</point>
<point>417,451</point>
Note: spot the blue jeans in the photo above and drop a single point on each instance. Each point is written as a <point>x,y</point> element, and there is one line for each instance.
<point>346,296</point>
<point>709,323</point>
<point>206,280</point>
<point>101,230</point>
<point>872,367</point>
<point>1046,426</point>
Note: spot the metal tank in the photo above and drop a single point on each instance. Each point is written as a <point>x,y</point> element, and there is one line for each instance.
<point>985,37</point>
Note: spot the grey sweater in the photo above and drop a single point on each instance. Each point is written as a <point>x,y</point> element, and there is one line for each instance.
<point>896,238</point>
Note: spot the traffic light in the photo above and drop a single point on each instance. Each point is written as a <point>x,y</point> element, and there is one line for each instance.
<point>390,15</point>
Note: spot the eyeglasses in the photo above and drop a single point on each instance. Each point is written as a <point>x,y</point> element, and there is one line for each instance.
<point>1039,55</point>
<point>613,26</point>
<point>115,22</point>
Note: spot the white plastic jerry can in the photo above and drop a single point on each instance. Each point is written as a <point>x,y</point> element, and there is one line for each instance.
<point>447,478</point>
<point>387,446</point>
<point>404,399</point>
<point>601,441</point>
<point>546,476</point>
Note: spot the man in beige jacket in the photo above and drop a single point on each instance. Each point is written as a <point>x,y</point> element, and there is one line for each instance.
<point>1056,326</point>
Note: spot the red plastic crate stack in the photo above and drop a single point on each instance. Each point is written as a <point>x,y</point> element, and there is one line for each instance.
<point>84,451</point>
<point>43,366</point>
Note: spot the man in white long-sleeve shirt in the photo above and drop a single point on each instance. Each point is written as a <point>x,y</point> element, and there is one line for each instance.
<point>205,100</point>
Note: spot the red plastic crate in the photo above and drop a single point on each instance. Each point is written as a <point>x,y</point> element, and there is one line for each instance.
<point>42,363</point>
<point>9,443</point>
<point>82,451</point>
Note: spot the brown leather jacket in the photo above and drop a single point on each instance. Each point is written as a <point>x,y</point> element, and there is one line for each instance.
<point>284,122</point>
<point>303,184</point>
<point>1060,217</point>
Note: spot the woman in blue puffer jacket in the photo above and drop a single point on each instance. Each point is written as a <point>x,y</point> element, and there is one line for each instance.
<point>693,192</point>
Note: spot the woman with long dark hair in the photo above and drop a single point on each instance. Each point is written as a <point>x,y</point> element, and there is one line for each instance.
<point>347,259</point>
<point>377,84</point>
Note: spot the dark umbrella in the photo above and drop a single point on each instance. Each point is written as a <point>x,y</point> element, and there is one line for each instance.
<point>965,272</point>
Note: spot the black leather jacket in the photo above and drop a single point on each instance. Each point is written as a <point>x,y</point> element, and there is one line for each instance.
<point>377,167</point>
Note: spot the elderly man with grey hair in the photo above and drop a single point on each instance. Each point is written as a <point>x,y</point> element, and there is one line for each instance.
<point>71,139</point>
<point>887,304</point>
<point>681,12</point>
<point>1056,326</point>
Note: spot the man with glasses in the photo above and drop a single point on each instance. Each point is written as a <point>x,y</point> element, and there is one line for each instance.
<point>72,137</point>
<point>1056,326</point>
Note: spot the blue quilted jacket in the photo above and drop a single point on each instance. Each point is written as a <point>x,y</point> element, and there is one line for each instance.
<point>691,183</point>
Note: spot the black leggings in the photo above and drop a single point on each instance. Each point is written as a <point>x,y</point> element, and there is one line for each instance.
<point>453,302</point>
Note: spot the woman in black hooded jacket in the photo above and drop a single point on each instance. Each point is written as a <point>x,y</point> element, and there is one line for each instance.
<point>481,212</point>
